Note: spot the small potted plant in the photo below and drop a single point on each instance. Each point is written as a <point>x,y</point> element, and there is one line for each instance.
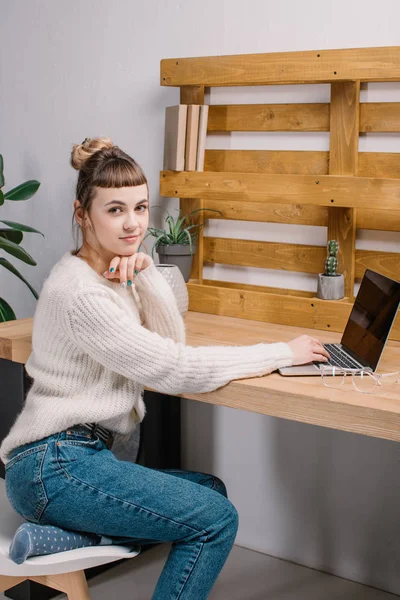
<point>331,284</point>
<point>177,245</point>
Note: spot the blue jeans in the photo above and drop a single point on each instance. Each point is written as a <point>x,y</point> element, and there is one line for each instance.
<point>72,480</point>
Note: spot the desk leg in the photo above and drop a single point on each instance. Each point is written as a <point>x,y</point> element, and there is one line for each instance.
<point>160,445</point>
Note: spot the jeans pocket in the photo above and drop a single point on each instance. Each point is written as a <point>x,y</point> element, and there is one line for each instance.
<point>24,483</point>
<point>76,445</point>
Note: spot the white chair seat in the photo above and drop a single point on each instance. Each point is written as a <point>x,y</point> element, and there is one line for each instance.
<point>48,564</point>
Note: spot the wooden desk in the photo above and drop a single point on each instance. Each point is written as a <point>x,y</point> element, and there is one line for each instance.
<point>303,399</point>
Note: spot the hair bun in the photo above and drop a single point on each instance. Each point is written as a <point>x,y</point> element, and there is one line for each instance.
<point>81,152</point>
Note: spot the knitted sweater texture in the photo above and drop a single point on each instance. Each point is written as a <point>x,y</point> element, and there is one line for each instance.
<point>95,346</point>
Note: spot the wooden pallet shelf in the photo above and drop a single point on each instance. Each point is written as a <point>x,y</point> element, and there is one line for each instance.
<point>342,189</point>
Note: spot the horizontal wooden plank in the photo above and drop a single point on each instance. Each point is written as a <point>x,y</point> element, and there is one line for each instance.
<point>267,255</point>
<point>298,162</point>
<point>294,162</point>
<point>257,288</point>
<point>313,66</point>
<point>323,190</point>
<point>379,164</point>
<point>299,258</point>
<point>380,116</point>
<point>387,263</point>
<point>289,214</point>
<point>299,214</point>
<point>383,220</point>
<point>285,309</point>
<point>374,117</point>
<point>268,117</point>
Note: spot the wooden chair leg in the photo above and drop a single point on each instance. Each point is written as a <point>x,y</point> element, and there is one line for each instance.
<point>73,584</point>
<point>8,581</point>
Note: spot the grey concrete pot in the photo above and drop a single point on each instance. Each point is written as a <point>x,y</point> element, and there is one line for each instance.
<point>179,255</point>
<point>330,287</point>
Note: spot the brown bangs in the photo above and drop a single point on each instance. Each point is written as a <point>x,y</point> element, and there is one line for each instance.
<point>118,172</point>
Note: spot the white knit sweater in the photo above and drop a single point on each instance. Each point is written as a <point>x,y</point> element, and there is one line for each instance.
<point>96,345</point>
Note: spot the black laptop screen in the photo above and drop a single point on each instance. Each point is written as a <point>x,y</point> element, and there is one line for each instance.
<point>372,316</point>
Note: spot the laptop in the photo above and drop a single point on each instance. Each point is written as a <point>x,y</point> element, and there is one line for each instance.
<point>367,329</point>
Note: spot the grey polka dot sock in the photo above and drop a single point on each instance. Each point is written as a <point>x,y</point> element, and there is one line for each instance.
<point>33,540</point>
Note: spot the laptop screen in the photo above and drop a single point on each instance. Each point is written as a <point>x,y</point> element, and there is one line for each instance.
<point>372,316</point>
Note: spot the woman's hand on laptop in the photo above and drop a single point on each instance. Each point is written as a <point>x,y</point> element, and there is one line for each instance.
<point>307,349</point>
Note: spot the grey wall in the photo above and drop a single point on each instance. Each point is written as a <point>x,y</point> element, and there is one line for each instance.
<point>71,69</point>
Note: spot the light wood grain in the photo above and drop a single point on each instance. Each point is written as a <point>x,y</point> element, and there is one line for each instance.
<point>298,162</point>
<point>314,66</point>
<point>268,117</point>
<point>73,584</point>
<point>7,582</point>
<point>298,214</point>
<point>323,190</point>
<point>300,258</point>
<point>343,160</point>
<point>380,116</point>
<point>294,162</point>
<point>257,288</point>
<point>277,308</point>
<point>302,399</point>
<point>194,95</point>
<point>374,117</point>
<point>387,263</point>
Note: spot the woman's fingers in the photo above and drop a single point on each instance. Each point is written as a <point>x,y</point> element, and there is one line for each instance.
<point>113,268</point>
<point>132,267</point>
<point>123,270</point>
<point>321,350</point>
<point>319,357</point>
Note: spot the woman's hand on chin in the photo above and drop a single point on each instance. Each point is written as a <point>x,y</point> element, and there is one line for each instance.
<point>125,268</point>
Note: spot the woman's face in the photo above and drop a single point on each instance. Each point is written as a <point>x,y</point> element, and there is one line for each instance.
<point>116,213</point>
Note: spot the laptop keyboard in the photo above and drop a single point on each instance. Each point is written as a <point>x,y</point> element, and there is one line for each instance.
<point>338,358</point>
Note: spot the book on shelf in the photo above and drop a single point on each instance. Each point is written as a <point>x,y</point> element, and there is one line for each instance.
<point>192,136</point>
<point>201,144</point>
<point>175,137</point>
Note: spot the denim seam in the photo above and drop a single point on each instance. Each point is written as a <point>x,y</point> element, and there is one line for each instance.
<point>73,478</point>
<point>23,454</point>
<point>42,486</point>
<point>84,443</point>
<point>193,566</point>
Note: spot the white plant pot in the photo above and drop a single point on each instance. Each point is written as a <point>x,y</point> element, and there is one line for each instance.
<point>330,287</point>
<point>173,275</point>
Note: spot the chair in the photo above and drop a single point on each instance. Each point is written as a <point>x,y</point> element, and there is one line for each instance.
<point>63,571</point>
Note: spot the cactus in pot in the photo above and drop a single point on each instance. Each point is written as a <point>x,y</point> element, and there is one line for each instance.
<point>330,283</point>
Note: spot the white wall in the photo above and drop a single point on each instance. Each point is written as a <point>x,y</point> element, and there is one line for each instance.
<point>71,69</point>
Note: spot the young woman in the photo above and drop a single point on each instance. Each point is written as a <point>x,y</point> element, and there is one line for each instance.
<point>106,325</point>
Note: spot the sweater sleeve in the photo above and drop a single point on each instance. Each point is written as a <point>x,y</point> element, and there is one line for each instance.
<point>160,311</point>
<point>102,328</point>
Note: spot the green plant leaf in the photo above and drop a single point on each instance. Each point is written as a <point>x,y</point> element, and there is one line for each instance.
<point>12,235</point>
<point>1,198</point>
<point>6,312</point>
<point>7,265</point>
<point>185,232</point>
<point>159,240</point>
<point>21,227</point>
<point>2,180</point>
<point>17,251</point>
<point>23,191</point>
